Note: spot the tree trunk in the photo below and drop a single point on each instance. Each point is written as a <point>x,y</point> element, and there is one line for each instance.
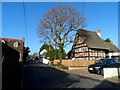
<point>60,55</point>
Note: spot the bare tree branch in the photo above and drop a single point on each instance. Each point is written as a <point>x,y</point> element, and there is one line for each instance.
<point>58,24</point>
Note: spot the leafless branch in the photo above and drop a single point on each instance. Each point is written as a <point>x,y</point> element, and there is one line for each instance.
<point>58,24</point>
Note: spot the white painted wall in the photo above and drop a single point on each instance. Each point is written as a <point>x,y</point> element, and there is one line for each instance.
<point>42,55</point>
<point>114,54</point>
<point>43,52</point>
<point>45,61</point>
<point>110,72</point>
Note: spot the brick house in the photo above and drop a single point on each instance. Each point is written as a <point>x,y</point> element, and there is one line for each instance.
<point>16,44</point>
<point>88,45</point>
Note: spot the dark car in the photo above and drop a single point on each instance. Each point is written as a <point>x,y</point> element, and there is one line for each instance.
<point>103,63</point>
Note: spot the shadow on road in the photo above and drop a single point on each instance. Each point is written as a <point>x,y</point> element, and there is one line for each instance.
<point>107,85</point>
<point>41,76</point>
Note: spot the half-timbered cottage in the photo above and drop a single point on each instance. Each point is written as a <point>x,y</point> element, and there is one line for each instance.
<point>88,46</point>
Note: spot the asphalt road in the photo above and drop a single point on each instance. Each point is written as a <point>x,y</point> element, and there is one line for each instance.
<point>36,75</point>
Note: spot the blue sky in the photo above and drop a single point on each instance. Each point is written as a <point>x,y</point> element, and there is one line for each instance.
<point>103,16</point>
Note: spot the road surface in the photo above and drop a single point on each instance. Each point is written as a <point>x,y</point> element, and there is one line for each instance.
<point>36,75</point>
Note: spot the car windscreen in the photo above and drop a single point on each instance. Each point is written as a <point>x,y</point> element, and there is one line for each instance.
<point>117,60</point>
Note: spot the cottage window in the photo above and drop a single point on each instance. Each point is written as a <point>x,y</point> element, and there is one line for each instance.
<point>81,49</point>
<point>90,50</point>
<point>16,44</point>
<point>101,51</point>
<point>80,41</point>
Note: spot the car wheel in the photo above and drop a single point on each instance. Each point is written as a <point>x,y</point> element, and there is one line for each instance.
<point>89,71</point>
<point>99,72</point>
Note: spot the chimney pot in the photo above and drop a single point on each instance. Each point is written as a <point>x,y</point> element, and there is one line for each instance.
<point>111,42</point>
<point>98,32</point>
<point>23,39</point>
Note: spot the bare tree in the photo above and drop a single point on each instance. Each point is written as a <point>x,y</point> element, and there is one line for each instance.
<point>58,26</point>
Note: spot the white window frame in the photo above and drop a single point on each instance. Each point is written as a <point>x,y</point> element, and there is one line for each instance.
<point>16,44</point>
<point>3,41</point>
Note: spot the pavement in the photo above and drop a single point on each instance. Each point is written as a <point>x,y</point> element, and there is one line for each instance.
<point>92,80</point>
<point>36,76</point>
<point>114,80</point>
<point>84,72</point>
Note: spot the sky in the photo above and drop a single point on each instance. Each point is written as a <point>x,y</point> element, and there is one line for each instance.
<point>99,15</point>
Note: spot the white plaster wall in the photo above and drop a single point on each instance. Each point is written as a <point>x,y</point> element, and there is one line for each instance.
<point>110,72</point>
<point>45,61</point>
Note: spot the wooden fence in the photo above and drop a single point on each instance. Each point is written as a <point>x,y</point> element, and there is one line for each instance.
<point>76,63</point>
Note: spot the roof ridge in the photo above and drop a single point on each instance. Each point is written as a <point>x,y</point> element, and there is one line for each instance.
<point>12,39</point>
<point>87,30</point>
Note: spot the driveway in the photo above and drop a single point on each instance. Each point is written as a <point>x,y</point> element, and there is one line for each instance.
<point>84,72</point>
<point>114,81</point>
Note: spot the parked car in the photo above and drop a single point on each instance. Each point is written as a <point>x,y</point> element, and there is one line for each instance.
<point>102,63</point>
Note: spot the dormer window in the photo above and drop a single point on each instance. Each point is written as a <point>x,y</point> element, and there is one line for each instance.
<point>16,44</point>
<point>3,41</point>
<point>80,41</point>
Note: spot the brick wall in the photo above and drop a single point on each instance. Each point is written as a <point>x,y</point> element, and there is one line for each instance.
<point>10,42</point>
<point>76,63</point>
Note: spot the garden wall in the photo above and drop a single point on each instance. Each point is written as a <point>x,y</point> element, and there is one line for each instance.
<point>76,63</point>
